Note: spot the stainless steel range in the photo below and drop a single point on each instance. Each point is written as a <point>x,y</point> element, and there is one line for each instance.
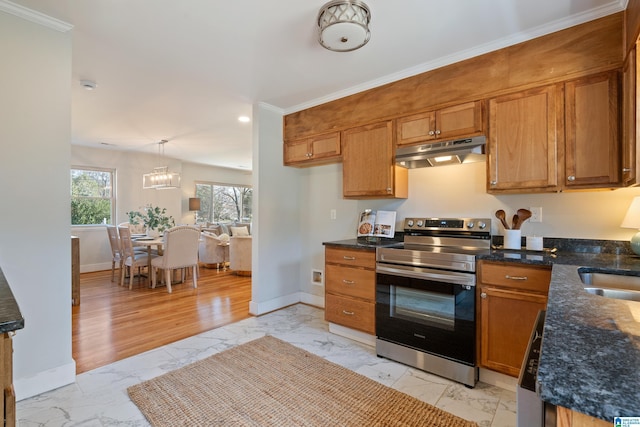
<point>425,296</point>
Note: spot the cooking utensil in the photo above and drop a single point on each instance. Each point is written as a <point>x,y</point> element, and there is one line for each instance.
<point>523,215</point>
<point>501,215</point>
<point>516,222</point>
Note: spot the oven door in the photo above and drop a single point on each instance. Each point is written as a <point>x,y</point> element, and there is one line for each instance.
<point>427,309</point>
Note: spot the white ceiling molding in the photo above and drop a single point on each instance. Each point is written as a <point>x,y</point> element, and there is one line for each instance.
<point>34,16</point>
<point>513,39</point>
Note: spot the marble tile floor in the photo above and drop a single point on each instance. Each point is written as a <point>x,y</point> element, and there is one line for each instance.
<point>99,397</point>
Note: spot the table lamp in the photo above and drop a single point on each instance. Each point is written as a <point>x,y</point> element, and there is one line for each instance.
<point>632,220</point>
<point>194,205</point>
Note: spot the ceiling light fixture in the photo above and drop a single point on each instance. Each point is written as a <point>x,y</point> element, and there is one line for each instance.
<point>344,25</point>
<point>160,178</point>
<point>244,119</point>
<point>88,84</point>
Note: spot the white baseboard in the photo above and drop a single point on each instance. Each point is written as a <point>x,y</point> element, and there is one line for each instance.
<point>45,381</point>
<point>89,268</point>
<point>352,334</point>
<point>258,308</point>
<point>315,300</point>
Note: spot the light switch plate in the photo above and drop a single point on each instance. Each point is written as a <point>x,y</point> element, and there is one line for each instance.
<point>536,214</point>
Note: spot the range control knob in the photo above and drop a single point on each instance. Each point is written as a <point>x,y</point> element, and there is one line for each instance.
<point>482,225</point>
<point>470,224</point>
<point>410,223</point>
<point>420,223</point>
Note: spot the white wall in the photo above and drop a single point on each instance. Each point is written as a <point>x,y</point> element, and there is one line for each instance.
<point>95,252</point>
<point>35,247</point>
<point>276,218</point>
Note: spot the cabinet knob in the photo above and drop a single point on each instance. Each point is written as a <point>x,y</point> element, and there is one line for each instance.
<point>494,183</point>
<point>483,295</point>
<point>438,132</point>
<point>431,133</point>
<point>571,178</point>
<point>389,190</point>
<point>626,169</point>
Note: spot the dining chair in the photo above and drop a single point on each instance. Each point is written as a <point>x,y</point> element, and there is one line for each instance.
<point>116,251</point>
<point>180,251</point>
<point>131,258</point>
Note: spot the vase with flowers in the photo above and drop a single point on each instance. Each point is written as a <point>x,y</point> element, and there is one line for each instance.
<point>154,219</point>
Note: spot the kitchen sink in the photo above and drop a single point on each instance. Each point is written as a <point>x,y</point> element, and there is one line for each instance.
<point>610,284</point>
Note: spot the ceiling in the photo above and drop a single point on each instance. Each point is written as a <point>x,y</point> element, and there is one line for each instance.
<point>184,71</point>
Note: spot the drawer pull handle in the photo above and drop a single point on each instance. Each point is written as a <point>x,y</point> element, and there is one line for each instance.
<point>348,282</point>
<point>348,313</point>
<point>516,277</point>
<point>350,258</point>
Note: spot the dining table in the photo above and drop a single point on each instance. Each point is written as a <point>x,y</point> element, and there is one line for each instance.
<point>149,242</point>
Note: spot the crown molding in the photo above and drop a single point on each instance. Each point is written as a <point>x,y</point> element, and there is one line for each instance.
<point>34,16</point>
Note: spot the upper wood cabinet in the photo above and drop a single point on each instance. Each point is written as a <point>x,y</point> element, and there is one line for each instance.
<point>311,151</point>
<point>630,123</point>
<point>369,170</point>
<point>523,141</point>
<point>464,120</point>
<point>592,132</point>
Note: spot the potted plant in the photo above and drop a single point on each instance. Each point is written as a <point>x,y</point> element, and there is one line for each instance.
<point>153,218</point>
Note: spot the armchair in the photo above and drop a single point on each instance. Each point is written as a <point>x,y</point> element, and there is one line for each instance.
<point>212,250</point>
<point>240,254</point>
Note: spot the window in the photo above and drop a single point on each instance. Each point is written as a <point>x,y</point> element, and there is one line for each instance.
<point>92,196</point>
<point>224,202</point>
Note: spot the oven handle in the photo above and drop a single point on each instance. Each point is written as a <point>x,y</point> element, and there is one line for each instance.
<point>465,279</point>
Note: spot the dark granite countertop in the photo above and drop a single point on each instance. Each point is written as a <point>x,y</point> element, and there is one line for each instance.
<point>10,316</point>
<point>590,360</point>
<point>365,243</point>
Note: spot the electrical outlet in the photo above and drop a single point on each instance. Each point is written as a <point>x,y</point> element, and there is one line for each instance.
<point>536,214</point>
<point>332,214</point>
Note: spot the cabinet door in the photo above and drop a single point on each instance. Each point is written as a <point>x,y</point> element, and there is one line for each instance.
<point>523,141</point>
<point>506,321</point>
<point>369,169</point>
<point>459,121</point>
<point>296,151</point>
<point>316,150</point>
<point>629,122</point>
<point>592,138</point>
<point>416,128</point>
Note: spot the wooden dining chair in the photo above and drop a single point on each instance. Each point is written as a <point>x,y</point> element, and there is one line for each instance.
<point>180,251</point>
<point>131,258</point>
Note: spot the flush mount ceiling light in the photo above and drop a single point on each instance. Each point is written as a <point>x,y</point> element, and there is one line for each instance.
<point>88,84</point>
<point>344,25</point>
<point>160,178</point>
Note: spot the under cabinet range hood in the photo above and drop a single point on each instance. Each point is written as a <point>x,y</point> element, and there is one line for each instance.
<point>454,152</point>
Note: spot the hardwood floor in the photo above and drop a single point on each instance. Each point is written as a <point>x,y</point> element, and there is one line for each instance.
<point>112,322</point>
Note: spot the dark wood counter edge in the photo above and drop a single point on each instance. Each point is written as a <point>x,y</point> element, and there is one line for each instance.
<point>10,317</point>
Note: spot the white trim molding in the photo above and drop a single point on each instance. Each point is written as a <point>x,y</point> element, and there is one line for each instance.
<point>34,16</point>
<point>45,381</point>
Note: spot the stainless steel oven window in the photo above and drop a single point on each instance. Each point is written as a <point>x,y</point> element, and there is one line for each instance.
<point>429,308</point>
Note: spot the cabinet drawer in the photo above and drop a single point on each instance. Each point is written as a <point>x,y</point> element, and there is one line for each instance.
<point>353,257</point>
<point>351,282</point>
<point>516,276</point>
<point>355,314</point>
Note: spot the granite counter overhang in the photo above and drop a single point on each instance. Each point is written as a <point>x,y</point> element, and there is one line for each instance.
<point>590,360</point>
<point>10,317</point>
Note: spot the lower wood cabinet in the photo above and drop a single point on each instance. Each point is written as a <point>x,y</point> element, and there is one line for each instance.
<point>568,418</point>
<point>509,298</point>
<point>8,401</point>
<point>350,288</point>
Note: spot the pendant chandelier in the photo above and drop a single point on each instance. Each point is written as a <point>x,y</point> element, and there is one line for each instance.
<point>344,25</point>
<point>160,178</point>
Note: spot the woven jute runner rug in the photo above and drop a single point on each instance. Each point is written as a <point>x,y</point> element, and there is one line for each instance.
<point>268,382</point>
